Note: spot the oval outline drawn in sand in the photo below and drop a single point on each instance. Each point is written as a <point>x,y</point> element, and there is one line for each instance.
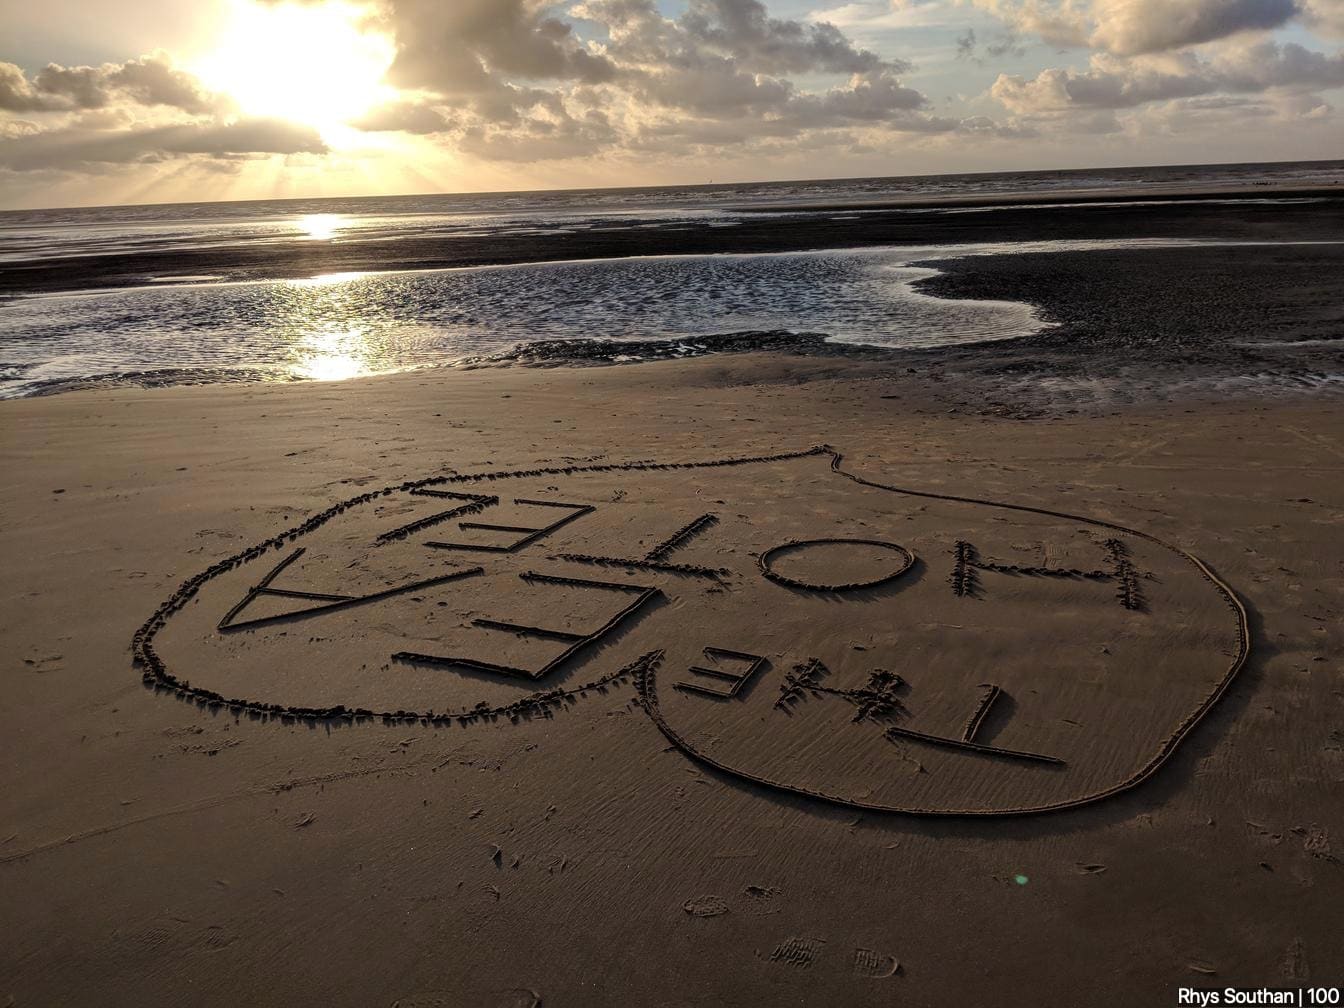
<point>157,676</point>
<point>768,572</point>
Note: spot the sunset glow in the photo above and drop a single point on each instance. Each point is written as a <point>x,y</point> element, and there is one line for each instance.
<point>316,64</point>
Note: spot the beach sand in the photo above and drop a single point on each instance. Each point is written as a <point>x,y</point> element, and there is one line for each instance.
<point>637,843</point>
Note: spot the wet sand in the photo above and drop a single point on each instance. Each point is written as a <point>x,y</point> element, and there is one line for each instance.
<point>228,837</point>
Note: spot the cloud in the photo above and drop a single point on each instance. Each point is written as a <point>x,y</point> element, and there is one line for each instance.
<point>1136,27</point>
<point>404,117</point>
<point>152,80</point>
<point>74,147</point>
<point>557,137</point>
<point>470,46</point>
<point>521,82</point>
<point>1324,15</point>
<point>743,31</point>
<point>1064,23</point>
<point>149,80</point>
<point>1113,83</point>
<point>1132,27</point>
<point>729,61</point>
<point>18,95</point>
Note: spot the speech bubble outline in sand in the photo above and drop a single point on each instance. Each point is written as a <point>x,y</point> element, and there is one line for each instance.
<point>784,621</point>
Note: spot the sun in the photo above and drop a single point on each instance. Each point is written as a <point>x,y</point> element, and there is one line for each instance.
<point>314,63</point>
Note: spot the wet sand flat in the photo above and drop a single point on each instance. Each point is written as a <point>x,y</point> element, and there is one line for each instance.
<point>1245,214</point>
<point>718,680</point>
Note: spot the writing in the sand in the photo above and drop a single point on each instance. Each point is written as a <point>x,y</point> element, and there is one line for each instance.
<point>725,673</point>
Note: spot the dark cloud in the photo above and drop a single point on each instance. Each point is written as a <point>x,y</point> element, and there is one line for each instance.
<point>469,46</point>
<point>729,61</point>
<point>75,148</point>
<point>1137,27</point>
<point>18,95</point>
<point>542,138</point>
<point>149,80</point>
<point>78,87</point>
<point>1112,83</point>
<point>744,31</point>
<point>1133,27</point>
<point>404,117</point>
<point>966,44</point>
<point>1005,44</point>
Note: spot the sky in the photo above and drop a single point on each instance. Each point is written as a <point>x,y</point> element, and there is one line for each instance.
<point>106,102</point>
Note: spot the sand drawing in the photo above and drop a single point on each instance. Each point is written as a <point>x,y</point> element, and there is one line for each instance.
<point>768,558</point>
<point>656,558</point>
<point>528,533</point>
<point>475,503</point>
<point>324,603</point>
<point>734,682</point>
<point>806,650</point>
<point>1123,573</point>
<point>876,700</point>
<point>578,642</point>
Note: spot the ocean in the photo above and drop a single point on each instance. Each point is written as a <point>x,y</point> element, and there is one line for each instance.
<point>178,327</point>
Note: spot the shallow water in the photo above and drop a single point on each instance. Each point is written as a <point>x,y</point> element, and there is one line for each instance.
<point>344,326</point>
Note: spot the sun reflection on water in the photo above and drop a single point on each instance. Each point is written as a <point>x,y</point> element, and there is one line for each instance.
<point>333,354</point>
<point>320,227</point>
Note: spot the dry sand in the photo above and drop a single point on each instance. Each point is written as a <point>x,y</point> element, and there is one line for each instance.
<point>639,843</point>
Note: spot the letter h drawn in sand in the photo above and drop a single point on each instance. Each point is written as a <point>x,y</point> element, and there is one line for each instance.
<point>966,583</point>
<point>322,603</point>
<point>736,681</point>
<point>578,642</point>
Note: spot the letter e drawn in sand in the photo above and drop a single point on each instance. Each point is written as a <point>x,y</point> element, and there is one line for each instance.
<point>578,642</point>
<point>735,681</point>
<point>527,534</point>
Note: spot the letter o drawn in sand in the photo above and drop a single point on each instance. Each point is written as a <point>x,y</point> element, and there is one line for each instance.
<point>768,558</point>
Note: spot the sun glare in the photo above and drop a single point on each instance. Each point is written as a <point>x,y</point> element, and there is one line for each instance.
<point>320,227</point>
<point>332,353</point>
<point>310,63</point>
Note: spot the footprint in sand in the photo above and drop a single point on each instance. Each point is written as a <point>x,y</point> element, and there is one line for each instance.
<point>800,952</point>
<point>762,900</point>
<point>706,906</point>
<point>875,965</point>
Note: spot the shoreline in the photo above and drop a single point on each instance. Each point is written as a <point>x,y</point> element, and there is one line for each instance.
<point>1237,214</point>
<point>1138,324</point>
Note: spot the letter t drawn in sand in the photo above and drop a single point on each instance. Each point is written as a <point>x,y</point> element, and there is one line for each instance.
<point>990,695</point>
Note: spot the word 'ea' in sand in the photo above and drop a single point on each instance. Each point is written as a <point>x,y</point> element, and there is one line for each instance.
<point>780,618</point>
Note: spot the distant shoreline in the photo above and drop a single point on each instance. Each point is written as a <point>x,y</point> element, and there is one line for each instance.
<point>1232,213</point>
